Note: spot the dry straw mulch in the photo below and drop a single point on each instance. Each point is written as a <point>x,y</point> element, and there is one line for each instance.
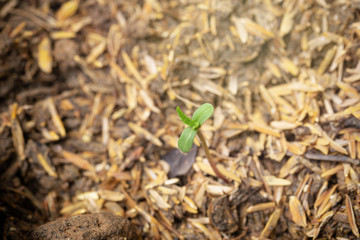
<point>88,93</point>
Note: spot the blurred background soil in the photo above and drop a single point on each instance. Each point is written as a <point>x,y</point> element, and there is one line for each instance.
<point>88,92</point>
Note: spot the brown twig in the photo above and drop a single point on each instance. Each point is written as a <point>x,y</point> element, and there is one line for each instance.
<point>208,155</point>
<point>330,158</point>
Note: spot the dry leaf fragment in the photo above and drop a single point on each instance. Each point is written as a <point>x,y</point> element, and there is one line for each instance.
<point>205,167</point>
<point>260,207</point>
<point>131,67</point>
<point>78,160</point>
<point>289,66</point>
<point>267,98</point>
<point>111,195</point>
<point>318,42</point>
<point>115,208</point>
<point>274,181</point>
<point>297,211</point>
<point>131,96</point>
<point>203,229</point>
<point>56,118</point>
<point>333,171</point>
<point>271,223</point>
<point>290,164</point>
<point>114,40</point>
<point>301,187</point>
<point>150,64</point>
<point>148,101</point>
<point>353,175</point>
<point>348,90</point>
<point>306,87</point>
<point>167,190</point>
<point>296,148</point>
<point>351,216</point>
<point>262,128</point>
<point>96,52</point>
<point>323,220</point>
<point>49,135</point>
<point>18,29</point>
<point>17,133</point>
<point>287,22</point>
<point>67,10</point>
<point>283,125</point>
<point>204,46</point>
<point>121,73</point>
<point>240,28</point>
<point>336,146</point>
<point>189,205</point>
<point>155,225</point>
<point>320,194</point>
<point>70,209</point>
<point>49,169</point>
<point>228,173</point>
<point>325,200</point>
<point>212,72</point>
<point>44,55</point>
<point>145,133</point>
<point>87,195</point>
<point>256,29</point>
<point>352,78</point>
<point>7,7</point>
<point>158,200</point>
<point>205,85</point>
<point>280,90</point>
<point>351,145</point>
<point>330,54</point>
<point>62,35</point>
<point>218,190</point>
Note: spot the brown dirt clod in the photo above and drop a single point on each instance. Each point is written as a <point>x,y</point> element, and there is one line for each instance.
<point>104,225</point>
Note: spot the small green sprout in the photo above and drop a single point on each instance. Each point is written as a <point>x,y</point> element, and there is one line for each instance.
<point>200,115</point>
<point>187,137</point>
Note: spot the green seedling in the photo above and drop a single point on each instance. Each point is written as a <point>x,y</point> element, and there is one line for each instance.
<point>187,137</point>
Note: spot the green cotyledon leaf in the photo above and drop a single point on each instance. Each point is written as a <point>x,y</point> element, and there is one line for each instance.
<point>184,118</point>
<point>203,113</point>
<point>186,139</point>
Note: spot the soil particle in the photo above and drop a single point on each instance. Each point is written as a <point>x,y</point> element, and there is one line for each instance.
<point>64,52</point>
<point>221,216</point>
<point>105,226</point>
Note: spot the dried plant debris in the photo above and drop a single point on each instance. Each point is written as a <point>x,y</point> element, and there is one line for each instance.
<point>88,122</point>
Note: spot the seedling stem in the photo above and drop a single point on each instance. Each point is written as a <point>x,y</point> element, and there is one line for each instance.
<point>209,157</point>
<point>187,136</point>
